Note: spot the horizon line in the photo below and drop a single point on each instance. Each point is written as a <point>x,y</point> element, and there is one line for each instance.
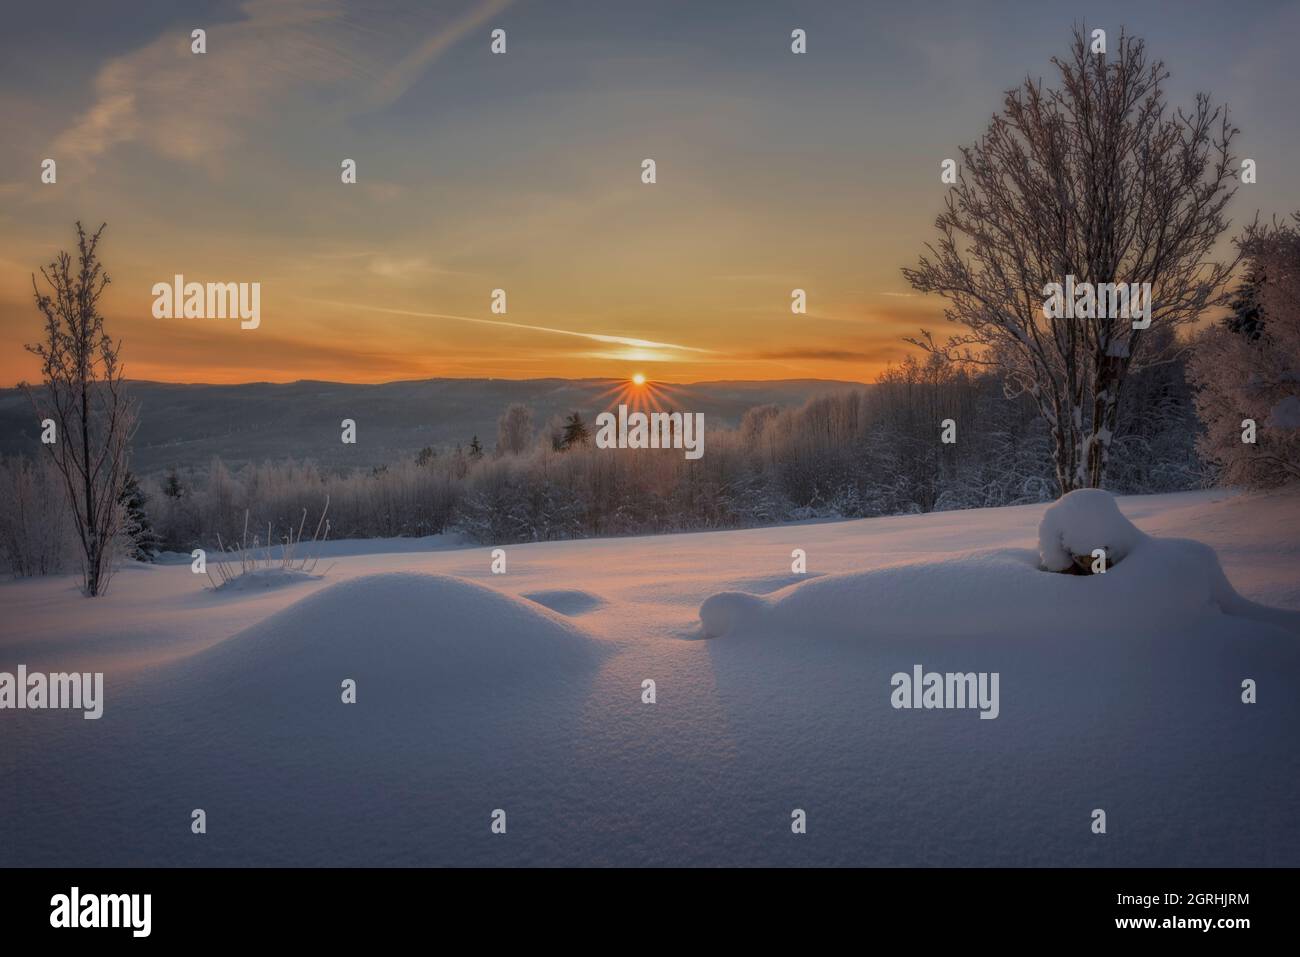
<point>595,379</point>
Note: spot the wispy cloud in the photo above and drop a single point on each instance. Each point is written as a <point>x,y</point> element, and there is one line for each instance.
<point>194,107</point>
<point>831,355</point>
<point>198,107</point>
<point>591,336</point>
<point>406,71</point>
<point>395,268</point>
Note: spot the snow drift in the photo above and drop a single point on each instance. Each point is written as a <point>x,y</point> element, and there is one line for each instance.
<point>442,632</point>
<point>1149,582</point>
<point>465,697</point>
<point>1122,691</point>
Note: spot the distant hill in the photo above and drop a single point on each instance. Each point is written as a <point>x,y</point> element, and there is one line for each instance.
<point>185,425</point>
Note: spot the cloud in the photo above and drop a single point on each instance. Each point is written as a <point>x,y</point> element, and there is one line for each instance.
<point>193,106</point>
<point>830,355</point>
<point>198,107</point>
<point>390,268</point>
<point>592,336</point>
<point>406,71</point>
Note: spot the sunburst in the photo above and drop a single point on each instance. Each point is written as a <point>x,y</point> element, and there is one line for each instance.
<point>640,394</point>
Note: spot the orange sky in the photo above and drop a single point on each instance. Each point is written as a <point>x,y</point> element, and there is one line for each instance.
<point>522,172</point>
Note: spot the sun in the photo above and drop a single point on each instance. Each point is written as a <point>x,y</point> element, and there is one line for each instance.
<point>638,379</point>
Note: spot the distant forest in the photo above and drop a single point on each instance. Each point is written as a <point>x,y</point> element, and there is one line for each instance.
<point>848,454</point>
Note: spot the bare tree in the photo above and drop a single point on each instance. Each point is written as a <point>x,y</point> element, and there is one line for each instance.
<point>83,396</point>
<point>1096,179</point>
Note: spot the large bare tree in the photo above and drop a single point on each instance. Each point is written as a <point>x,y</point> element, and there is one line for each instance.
<point>83,395</point>
<point>1097,179</point>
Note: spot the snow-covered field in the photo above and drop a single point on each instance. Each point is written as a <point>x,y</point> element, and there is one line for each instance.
<point>523,692</point>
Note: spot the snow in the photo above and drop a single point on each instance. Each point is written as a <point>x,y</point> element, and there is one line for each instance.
<point>1165,584</point>
<point>1079,523</point>
<point>334,630</point>
<point>523,692</point>
<point>272,577</point>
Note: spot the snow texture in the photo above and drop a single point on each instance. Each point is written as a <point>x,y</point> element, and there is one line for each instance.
<point>273,577</point>
<point>1120,691</point>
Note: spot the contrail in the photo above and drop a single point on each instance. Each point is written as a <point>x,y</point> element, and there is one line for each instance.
<point>402,76</point>
<point>594,336</point>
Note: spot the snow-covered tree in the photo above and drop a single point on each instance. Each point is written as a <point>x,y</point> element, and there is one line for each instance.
<point>142,543</point>
<point>1248,376</point>
<point>1096,179</point>
<point>35,533</point>
<point>514,429</point>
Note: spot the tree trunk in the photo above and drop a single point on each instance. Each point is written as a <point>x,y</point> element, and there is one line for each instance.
<point>92,540</point>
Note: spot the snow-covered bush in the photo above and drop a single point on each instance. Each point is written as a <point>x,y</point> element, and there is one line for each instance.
<point>1165,586</point>
<point>1251,371</point>
<point>36,536</point>
<point>1076,525</point>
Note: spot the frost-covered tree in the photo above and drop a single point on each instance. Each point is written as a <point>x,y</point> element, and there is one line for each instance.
<point>35,537</point>
<point>142,543</point>
<point>1095,178</point>
<point>84,396</point>
<point>514,429</point>
<point>1253,372</point>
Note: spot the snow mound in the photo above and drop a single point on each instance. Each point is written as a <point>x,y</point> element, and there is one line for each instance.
<point>1162,582</point>
<point>723,611</point>
<point>1079,523</point>
<point>400,628</point>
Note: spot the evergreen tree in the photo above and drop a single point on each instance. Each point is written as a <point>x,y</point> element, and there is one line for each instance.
<point>1247,313</point>
<point>575,432</point>
<point>475,449</point>
<point>425,456</point>
<point>139,530</point>
<point>172,487</point>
